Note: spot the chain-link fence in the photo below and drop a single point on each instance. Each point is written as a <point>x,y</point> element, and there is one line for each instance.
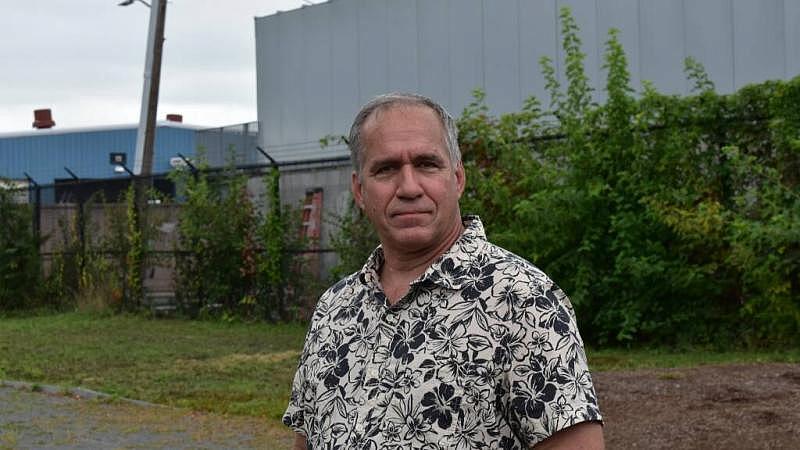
<point>75,216</point>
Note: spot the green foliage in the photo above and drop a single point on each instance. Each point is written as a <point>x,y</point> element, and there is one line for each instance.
<point>215,267</point>
<point>697,74</point>
<point>283,279</point>
<point>89,268</point>
<point>667,219</point>
<point>19,257</point>
<point>77,267</point>
<point>273,266</point>
<point>133,249</point>
<point>234,261</point>
<point>353,239</point>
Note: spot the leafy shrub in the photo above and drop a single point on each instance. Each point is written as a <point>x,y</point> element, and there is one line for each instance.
<point>353,239</point>
<point>667,219</point>
<point>20,268</point>
<point>232,260</point>
<point>96,267</point>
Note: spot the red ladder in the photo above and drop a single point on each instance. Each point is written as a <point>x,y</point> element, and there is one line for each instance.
<point>312,217</point>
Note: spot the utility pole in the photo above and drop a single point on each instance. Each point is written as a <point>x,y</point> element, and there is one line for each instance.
<point>145,137</point>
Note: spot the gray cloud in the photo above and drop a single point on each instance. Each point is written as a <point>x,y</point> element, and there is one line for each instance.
<point>85,59</point>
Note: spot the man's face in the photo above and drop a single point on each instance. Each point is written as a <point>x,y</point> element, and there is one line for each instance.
<point>408,186</point>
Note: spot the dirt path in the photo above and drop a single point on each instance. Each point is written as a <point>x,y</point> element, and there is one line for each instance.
<point>711,407</point>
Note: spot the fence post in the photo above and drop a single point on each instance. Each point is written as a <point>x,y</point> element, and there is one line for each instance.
<point>37,206</point>
<point>81,223</point>
<point>37,212</point>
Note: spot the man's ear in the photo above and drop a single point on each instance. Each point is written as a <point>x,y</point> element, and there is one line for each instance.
<point>461,178</point>
<point>355,188</point>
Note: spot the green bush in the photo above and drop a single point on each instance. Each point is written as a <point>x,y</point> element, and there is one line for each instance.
<point>234,261</point>
<point>353,239</point>
<point>95,267</point>
<point>670,220</point>
<point>20,270</point>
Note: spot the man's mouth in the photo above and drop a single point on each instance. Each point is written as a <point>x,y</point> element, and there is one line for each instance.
<point>408,213</point>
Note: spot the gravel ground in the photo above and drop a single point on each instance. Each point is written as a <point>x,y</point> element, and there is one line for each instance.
<point>48,420</point>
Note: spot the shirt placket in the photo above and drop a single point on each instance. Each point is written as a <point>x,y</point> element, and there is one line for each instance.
<point>374,367</point>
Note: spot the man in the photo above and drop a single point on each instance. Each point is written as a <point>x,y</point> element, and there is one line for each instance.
<point>442,340</point>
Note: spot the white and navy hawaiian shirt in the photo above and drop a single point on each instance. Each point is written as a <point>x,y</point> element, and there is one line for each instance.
<point>483,352</point>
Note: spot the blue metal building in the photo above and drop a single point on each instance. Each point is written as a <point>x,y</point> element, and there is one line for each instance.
<point>46,154</point>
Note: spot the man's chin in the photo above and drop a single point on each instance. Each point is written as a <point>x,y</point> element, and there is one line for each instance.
<point>411,238</point>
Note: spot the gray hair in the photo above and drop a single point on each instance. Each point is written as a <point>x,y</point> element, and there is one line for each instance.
<point>386,101</point>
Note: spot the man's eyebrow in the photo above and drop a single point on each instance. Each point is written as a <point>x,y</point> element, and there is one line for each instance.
<point>394,160</point>
<point>429,157</point>
<point>382,161</point>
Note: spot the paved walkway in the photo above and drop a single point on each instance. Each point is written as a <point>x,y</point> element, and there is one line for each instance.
<point>55,420</point>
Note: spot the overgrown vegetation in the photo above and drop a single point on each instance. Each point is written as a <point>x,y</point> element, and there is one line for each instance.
<point>235,261</point>
<point>353,240</point>
<point>667,219</point>
<point>97,265</point>
<point>236,257</point>
<point>19,253</point>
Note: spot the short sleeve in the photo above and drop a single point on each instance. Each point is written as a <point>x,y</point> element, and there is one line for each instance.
<point>300,411</point>
<point>548,387</point>
<point>295,415</point>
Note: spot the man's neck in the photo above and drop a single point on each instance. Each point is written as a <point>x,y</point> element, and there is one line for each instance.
<point>400,268</point>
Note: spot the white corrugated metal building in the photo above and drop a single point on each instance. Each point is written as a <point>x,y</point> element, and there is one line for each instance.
<point>318,64</point>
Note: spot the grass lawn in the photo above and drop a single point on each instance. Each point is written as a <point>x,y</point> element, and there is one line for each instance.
<point>211,366</point>
<point>631,359</point>
<point>207,366</point>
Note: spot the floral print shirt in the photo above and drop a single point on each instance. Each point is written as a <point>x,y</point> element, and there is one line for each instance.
<point>482,353</point>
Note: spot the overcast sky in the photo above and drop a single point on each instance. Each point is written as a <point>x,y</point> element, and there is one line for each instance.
<point>84,59</point>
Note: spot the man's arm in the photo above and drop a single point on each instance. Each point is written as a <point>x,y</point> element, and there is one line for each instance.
<point>583,436</point>
<point>300,442</point>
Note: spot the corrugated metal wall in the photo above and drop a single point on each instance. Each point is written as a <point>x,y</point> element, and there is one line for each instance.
<point>318,64</point>
<point>45,153</point>
<point>235,143</point>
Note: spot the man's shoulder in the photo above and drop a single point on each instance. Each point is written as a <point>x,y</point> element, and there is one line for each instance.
<point>345,284</point>
<point>341,294</point>
<point>506,259</point>
<point>512,270</point>
<point>476,249</point>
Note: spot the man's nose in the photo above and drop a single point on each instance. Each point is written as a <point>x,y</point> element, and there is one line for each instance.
<point>408,183</point>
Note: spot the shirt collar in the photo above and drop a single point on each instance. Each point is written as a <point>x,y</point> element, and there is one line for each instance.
<point>448,270</point>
